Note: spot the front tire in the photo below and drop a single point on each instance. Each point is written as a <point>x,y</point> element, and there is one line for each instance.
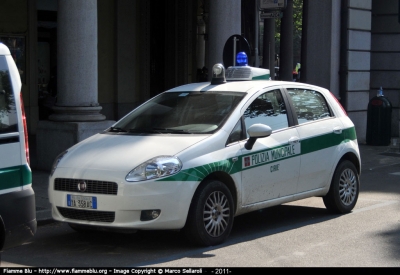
<point>211,214</point>
<point>345,187</point>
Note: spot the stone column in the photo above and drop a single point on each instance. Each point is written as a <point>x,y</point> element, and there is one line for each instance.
<point>269,46</point>
<point>77,111</point>
<point>132,56</point>
<point>201,45</point>
<point>224,21</point>
<point>32,81</point>
<point>77,62</point>
<point>286,48</point>
<point>321,45</point>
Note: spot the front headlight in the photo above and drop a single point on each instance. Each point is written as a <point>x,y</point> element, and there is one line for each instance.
<point>155,168</point>
<point>56,162</point>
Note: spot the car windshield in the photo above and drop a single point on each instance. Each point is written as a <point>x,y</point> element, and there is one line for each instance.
<point>180,113</point>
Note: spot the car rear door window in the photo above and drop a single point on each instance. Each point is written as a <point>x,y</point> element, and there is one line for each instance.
<point>8,111</point>
<point>309,105</point>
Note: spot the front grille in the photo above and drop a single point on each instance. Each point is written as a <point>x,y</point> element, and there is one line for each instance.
<point>92,186</point>
<point>86,215</point>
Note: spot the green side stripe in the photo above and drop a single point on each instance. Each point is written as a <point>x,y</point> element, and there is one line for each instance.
<point>325,141</point>
<point>307,146</point>
<point>16,176</point>
<point>200,172</point>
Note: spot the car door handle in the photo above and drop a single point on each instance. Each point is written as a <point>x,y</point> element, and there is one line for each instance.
<point>337,130</point>
<point>294,140</point>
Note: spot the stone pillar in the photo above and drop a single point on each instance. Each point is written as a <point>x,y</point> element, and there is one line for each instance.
<point>77,62</point>
<point>321,44</point>
<point>201,45</point>
<point>338,53</point>
<point>132,48</point>
<point>304,41</point>
<point>269,46</point>
<point>77,109</point>
<point>32,59</point>
<point>224,21</point>
<point>286,48</point>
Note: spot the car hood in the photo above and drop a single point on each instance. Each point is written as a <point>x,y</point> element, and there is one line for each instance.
<point>124,152</point>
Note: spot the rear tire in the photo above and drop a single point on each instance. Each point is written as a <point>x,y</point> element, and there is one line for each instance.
<point>211,214</point>
<point>345,187</point>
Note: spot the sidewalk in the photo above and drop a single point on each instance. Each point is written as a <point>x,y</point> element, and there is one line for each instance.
<point>372,157</point>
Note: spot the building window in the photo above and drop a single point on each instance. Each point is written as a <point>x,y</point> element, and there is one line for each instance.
<point>17,49</point>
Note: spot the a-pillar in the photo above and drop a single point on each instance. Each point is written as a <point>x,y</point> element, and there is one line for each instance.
<point>77,111</point>
<point>224,21</point>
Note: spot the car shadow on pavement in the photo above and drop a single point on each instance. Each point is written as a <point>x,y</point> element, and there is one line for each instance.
<point>57,245</point>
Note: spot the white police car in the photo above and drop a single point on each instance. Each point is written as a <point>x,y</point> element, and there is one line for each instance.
<point>196,156</point>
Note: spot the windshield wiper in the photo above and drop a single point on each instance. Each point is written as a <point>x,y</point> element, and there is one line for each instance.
<point>169,130</point>
<point>117,129</point>
<point>144,131</point>
<point>151,130</point>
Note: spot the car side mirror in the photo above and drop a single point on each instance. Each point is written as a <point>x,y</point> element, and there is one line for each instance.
<point>256,131</point>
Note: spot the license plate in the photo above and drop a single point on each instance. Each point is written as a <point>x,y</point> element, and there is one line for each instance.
<point>82,201</point>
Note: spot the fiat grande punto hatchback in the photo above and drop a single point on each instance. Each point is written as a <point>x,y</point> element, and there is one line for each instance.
<point>196,156</point>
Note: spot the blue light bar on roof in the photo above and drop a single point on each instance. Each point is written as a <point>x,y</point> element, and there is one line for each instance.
<point>241,59</point>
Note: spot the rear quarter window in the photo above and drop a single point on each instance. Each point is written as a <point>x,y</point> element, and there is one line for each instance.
<point>8,111</point>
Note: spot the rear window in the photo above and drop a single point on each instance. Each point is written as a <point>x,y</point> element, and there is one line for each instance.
<point>8,111</point>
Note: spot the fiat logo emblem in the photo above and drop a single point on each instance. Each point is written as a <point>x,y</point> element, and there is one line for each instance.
<point>82,186</point>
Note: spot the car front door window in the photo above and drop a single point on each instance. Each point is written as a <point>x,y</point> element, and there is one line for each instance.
<point>269,109</point>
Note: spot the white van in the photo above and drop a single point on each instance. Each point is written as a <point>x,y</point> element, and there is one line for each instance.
<point>17,198</point>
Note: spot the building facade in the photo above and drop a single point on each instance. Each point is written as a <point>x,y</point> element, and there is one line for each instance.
<point>85,64</point>
<point>353,52</point>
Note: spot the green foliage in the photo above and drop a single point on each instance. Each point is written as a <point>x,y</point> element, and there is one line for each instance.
<point>297,29</point>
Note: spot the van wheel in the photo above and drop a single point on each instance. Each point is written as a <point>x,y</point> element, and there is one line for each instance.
<point>211,213</point>
<point>344,190</point>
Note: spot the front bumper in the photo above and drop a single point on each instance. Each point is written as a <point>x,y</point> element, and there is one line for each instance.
<point>123,210</point>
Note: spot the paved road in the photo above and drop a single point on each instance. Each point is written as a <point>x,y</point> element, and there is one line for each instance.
<point>299,234</point>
